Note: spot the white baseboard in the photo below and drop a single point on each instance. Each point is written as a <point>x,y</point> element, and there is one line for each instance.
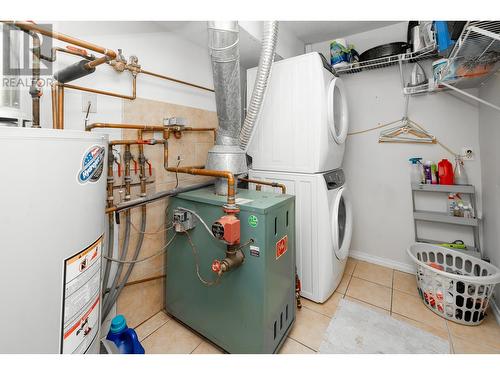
<point>495,309</point>
<point>400,266</point>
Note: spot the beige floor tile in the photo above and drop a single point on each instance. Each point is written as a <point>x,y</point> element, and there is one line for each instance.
<point>207,348</point>
<point>151,325</point>
<point>383,311</point>
<point>405,282</point>
<point>327,308</point>
<point>309,328</point>
<point>487,333</point>
<point>350,265</point>
<point>412,307</point>
<point>369,292</point>
<point>443,333</point>
<point>290,346</point>
<point>374,273</point>
<point>343,284</point>
<point>462,346</point>
<point>171,338</point>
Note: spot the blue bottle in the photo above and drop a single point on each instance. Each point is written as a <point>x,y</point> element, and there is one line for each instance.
<point>124,338</point>
<point>443,36</point>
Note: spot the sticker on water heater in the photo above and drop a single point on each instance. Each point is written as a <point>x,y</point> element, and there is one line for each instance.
<point>281,246</point>
<point>255,251</point>
<point>253,221</point>
<point>81,303</point>
<point>92,165</point>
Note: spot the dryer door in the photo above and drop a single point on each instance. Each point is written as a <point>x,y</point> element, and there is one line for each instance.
<point>337,110</point>
<point>341,222</point>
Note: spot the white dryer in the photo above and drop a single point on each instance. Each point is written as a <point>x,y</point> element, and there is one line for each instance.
<point>304,118</point>
<point>323,219</point>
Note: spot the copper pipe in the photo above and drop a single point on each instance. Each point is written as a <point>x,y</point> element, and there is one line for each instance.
<point>142,165</point>
<point>60,107</point>
<point>231,186</point>
<point>92,64</point>
<point>29,26</point>
<point>137,142</point>
<point>175,80</point>
<point>154,128</point>
<point>127,158</point>
<point>267,183</point>
<point>53,55</point>
<point>53,92</point>
<point>102,92</point>
<point>166,136</point>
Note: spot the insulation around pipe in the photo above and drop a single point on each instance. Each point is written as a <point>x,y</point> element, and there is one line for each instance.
<point>269,42</point>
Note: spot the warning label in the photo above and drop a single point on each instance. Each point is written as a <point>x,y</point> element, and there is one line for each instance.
<point>281,246</point>
<point>81,299</point>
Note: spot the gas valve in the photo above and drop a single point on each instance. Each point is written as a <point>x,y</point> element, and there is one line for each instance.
<point>227,229</point>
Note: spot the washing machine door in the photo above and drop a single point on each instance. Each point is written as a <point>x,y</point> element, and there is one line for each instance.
<point>341,222</point>
<point>337,110</point>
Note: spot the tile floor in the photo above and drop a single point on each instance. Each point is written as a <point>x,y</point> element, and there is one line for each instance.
<point>383,289</point>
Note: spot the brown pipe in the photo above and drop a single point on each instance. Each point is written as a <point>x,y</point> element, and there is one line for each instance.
<point>53,92</point>
<point>175,80</point>
<point>108,93</point>
<point>60,107</point>
<point>29,26</point>
<point>231,186</point>
<point>136,142</point>
<point>267,183</point>
<point>154,128</point>
<point>142,165</point>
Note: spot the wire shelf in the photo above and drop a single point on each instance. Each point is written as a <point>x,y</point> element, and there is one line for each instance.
<point>383,62</point>
<point>475,55</point>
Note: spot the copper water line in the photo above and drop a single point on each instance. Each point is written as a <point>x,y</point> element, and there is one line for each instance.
<point>154,128</point>
<point>175,80</point>
<point>267,183</point>
<point>137,142</point>
<point>142,164</point>
<point>231,186</point>
<point>102,92</point>
<point>29,26</point>
<point>53,93</point>
<point>60,107</point>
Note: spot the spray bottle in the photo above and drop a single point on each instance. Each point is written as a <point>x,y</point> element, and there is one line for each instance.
<point>416,171</point>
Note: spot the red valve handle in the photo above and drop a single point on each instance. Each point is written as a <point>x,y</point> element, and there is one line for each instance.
<point>216,266</point>
<point>119,168</point>
<point>150,166</point>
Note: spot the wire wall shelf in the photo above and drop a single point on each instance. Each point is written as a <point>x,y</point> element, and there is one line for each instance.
<point>356,67</point>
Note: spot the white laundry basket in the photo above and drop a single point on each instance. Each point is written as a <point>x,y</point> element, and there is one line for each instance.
<point>452,284</point>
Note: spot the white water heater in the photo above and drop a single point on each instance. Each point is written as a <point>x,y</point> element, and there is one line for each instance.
<point>52,201</point>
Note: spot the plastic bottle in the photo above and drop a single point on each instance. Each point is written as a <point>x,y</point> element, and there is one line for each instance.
<point>434,174</point>
<point>460,175</point>
<point>125,338</point>
<point>445,170</point>
<point>416,170</point>
<point>428,172</point>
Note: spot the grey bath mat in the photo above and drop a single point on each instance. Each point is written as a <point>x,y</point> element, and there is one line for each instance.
<point>356,329</point>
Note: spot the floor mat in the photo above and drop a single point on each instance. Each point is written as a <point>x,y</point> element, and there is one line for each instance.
<point>356,329</point>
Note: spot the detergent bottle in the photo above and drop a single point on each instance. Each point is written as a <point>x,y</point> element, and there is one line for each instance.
<point>445,170</point>
<point>125,338</point>
<point>416,171</point>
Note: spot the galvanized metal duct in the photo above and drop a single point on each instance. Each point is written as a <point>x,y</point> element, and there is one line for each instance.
<point>269,42</point>
<point>226,155</point>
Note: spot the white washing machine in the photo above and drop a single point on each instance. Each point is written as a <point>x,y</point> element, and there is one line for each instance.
<point>323,219</point>
<point>304,118</point>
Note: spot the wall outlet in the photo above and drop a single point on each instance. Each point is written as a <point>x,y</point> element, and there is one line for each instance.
<point>89,99</point>
<point>467,153</point>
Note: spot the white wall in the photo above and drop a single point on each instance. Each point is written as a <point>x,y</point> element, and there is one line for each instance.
<point>158,51</point>
<point>489,137</point>
<point>378,173</point>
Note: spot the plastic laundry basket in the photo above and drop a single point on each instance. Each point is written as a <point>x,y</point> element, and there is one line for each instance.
<point>454,285</point>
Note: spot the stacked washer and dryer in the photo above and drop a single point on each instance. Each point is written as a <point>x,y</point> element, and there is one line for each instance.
<point>299,141</point>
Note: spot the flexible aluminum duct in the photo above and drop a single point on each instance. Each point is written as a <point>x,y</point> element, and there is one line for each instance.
<point>223,44</point>
<point>269,42</point>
